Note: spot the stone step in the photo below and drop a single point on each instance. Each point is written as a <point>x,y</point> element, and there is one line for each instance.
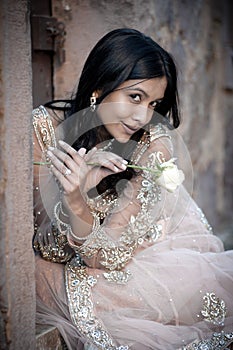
<point>48,338</point>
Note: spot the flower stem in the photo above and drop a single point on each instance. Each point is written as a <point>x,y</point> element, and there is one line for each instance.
<point>41,163</point>
<point>97,164</point>
<point>141,168</point>
<point>134,167</point>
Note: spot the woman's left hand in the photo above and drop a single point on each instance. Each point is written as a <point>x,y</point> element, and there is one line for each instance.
<point>74,173</point>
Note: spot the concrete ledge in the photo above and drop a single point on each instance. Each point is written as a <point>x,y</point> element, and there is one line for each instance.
<point>48,338</point>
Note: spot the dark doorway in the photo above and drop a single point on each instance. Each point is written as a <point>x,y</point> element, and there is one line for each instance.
<point>48,36</point>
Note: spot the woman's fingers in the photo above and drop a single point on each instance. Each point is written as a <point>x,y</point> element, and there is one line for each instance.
<point>63,179</point>
<point>76,155</point>
<point>78,170</point>
<point>66,159</point>
<point>97,157</point>
<point>106,159</point>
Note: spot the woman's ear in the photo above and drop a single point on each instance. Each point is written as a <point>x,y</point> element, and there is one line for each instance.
<point>97,93</point>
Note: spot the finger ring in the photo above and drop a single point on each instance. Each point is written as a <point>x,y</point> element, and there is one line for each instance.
<point>67,172</point>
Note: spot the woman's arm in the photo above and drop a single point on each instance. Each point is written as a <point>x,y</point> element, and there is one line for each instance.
<point>80,178</point>
<point>132,222</point>
<point>47,240</point>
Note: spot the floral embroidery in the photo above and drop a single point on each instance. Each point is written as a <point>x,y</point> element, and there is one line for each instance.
<point>78,287</point>
<point>112,256</point>
<point>214,309</point>
<point>115,255</point>
<point>103,204</point>
<point>43,127</point>
<point>218,341</point>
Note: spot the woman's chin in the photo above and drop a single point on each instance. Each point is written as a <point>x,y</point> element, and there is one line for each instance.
<point>122,139</point>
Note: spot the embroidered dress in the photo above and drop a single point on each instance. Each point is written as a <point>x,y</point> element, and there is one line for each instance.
<point>151,274</point>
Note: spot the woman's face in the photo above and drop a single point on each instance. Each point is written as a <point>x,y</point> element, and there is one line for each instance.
<point>131,106</point>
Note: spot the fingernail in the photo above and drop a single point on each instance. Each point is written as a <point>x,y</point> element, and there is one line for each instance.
<point>51,148</point>
<point>116,169</point>
<point>82,151</point>
<point>123,166</point>
<point>61,142</point>
<point>124,161</point>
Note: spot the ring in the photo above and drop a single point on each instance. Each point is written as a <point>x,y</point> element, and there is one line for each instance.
<point>67,172</point>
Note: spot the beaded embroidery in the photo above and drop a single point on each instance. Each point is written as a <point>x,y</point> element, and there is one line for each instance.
<point>78,287</point>
<point>115,255</point>
<point>119,277</point>
<point>218,341</point>
<point>103,204</point>
<point>204,220</point>
<point>214,309</point>
<point>142,227</point>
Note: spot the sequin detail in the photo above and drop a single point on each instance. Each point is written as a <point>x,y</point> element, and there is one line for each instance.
<point>214,309</point>
<point>142,227</point>
<point>103,204</point>
<point>119,277</point>
<point>218,341</point>
<point>204,220</point>
<point>78,287</point>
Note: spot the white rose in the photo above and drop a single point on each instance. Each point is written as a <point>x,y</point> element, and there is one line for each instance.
<point>171,176</point>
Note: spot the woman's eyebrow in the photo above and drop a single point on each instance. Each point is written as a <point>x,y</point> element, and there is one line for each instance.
<point>137,89</point>
<point>144,93</point>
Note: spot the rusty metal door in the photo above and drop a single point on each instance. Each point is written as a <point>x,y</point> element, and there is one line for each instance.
<point>48,35</point>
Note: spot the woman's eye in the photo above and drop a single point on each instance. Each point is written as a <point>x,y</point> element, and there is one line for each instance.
<point>154,104</point>
<point>136,97</point>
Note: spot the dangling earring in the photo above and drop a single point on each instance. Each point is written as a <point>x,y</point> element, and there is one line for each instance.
<point>93,102</point>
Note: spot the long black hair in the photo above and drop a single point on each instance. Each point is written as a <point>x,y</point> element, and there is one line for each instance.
<point>121,55</point>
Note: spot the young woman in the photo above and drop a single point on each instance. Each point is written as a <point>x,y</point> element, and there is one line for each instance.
<point>137,265</point>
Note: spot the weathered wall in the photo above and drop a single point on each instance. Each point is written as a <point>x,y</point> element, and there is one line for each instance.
<point>196,33</point>
<point>17,295</point>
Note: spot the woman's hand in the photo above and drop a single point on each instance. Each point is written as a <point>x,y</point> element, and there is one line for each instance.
<point>78,171</point>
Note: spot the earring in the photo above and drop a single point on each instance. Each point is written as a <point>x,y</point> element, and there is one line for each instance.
<point>93,102</point>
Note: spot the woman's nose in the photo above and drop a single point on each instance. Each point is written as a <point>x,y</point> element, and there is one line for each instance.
<point>142,115</point>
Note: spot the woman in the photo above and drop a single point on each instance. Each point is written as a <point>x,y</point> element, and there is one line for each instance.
<point>142,269</point>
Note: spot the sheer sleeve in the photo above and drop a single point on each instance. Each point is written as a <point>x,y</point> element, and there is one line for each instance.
<point>47,240</point>
<point>134,221</point>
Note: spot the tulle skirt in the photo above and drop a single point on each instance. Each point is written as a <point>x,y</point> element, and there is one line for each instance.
<point>160,307</point>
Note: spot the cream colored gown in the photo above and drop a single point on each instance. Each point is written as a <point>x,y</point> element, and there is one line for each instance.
<point>152,275</point>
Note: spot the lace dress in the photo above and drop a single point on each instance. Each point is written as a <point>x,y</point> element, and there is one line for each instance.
<point>151,276</point>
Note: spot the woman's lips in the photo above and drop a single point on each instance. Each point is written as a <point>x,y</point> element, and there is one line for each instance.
<point>129,129</point>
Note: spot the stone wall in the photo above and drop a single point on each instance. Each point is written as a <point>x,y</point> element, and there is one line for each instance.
<point>196,33</point>
<point>17,283</point>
